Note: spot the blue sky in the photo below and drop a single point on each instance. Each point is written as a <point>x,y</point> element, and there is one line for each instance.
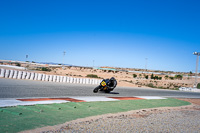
<point>119,33</point>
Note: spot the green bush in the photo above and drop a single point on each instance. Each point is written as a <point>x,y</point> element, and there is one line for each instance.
<point>152,76</point>
<point>92,76</point>
<point>17,64</point>
<point>156,77</point>
<point>134,75</point>
<point>45,69</point>
<point>150,85</point>
<point>180,77</point>
<point>166,77</point>
<point>198,86</point>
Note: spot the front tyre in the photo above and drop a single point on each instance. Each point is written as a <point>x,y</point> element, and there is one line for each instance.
<point>96,89</point>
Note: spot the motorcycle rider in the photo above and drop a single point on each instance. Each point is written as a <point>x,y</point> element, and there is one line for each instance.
<point>112,83</point>
<point>106,85</point>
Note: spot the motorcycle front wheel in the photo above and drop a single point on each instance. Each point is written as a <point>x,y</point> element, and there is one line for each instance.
<point>96,89</point>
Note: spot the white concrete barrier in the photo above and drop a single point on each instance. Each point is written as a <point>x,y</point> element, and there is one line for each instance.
<point>2,73</point>
<point>24,75</point>
<point>81,81</point>
<point>71,80</point>
<point>47,78</point>
<point>50,78</point>
<point>67,80</point>
<point>93,81</point>
<point>64,79</point>
<point>15,74</point>
<point>77,80</point>
<point>58,79</point>
<point>28,75</point>
<point>74,81</point>
<point>11,74</point>
<point>61,79</point>
<point>90,81</point>
<point>84,81</point>
<point>19,76</point>
<point>32,76</point>
<point>54,78</point>
<point>189,89</point>
<point>36,75</point>
<point>7,72</point>
<point>43,77</point>
<point>96,82</point>
<point>39,76</point>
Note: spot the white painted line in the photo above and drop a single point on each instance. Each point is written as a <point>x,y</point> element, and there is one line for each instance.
<point>151,97</point>
<point>7,103</point>
<point>43,102</point>
<point>93,99</point>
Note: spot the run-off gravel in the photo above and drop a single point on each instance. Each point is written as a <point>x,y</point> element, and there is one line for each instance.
<point>159,121</point>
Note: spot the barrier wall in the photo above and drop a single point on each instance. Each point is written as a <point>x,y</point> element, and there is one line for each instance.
<point>15,74</point>
<point>189,89</point>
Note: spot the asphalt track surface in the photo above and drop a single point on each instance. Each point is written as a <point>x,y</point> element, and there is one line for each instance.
<point>13,88</point>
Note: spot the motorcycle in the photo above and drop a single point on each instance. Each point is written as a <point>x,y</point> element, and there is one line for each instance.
<point>106,85</point>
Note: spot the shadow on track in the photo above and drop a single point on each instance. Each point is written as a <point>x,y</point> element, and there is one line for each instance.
<point>108,93</point>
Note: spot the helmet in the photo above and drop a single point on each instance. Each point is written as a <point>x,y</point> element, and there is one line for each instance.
<point>112,79</point>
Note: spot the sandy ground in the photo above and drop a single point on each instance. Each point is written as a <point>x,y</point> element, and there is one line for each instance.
<point>81,125</point>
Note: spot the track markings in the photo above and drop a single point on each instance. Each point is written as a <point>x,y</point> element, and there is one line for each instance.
<point>33,101</point>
